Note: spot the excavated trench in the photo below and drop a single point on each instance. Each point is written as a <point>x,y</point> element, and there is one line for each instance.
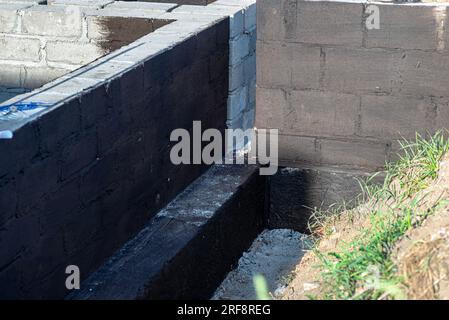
<point>139,226</point>
<point>227,226</point>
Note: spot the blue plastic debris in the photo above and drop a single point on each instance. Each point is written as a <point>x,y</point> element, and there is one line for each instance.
<point>6,134</point>
<point>21,106</point>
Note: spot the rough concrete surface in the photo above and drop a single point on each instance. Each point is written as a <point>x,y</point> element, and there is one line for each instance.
<point>341,93</point>
<point>274,255</point>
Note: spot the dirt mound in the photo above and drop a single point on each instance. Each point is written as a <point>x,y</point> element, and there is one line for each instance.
<point>420,256</point>
<point>305,278</point>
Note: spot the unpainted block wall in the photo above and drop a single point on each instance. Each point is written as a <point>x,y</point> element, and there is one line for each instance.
<point>341,94</point>
<point>82,179</point>
<point>242,56</point>
<point>39,43</point>
<point>182,2</point>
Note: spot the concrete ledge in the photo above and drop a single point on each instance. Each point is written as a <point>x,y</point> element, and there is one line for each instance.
<point>188,248</point>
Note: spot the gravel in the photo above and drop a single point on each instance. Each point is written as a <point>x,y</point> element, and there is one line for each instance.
<point>274,255</point>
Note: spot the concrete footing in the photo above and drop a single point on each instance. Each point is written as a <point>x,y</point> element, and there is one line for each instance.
<point>189,247</point>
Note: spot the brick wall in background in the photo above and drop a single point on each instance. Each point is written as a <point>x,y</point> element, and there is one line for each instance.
<point>82,179</point>
<point>342,94</point>
<point>40,43</point>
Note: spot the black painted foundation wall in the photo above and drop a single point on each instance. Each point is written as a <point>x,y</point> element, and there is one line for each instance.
<point>81,180</point>
<point>294,194</point>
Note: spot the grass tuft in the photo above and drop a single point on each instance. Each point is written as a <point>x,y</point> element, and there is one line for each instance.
<point>362,268</point>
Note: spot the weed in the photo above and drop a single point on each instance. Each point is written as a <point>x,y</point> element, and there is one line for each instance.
<point>363,269</point>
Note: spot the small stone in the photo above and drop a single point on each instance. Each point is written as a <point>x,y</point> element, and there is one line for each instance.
<point>308,286</point>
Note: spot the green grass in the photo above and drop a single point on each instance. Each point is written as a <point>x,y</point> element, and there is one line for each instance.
<point>261,287</point>
<point>363,269</point>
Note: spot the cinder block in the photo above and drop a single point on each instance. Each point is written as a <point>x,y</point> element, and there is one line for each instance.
<point>268,19</point>
<point>21,149</point>
<point>236,76</point>
<point>331,23</point>
<point>8,14</point>
<point>424,74</point>
<point>297,149</point>
<point>73,52</point>
<point>244,121</point>
<point>8,200</point>
<point>77,153</point>
<point>406,27</point>
<point>21,49</point>
<point>362,70</point>
<point>369,154</point>
<point>239,48</point>
<point>442,120</point>
<point>270,107</point>
<point>287,65</point>
<point>236,23</point>
<point>12,76</point>
<point>305,66</point>
<point>252,93</point>
<point>316,113</point>
<point>33,176</point>
<point>236,15</point>
<point>445,36</point>
<point>252,41</point>
<point>237,102</point>
<point>38,76</point>
<point>52,21</point>
<point>274,65</point>
<point>248,119</point>
<point>28,2</point>
<point>396,117</point>
<point>206,42</point>
<point>13,234</point>
<point>83,3</point>
<point>144,6</point>
<point>250,18</point>
<point>50,128</point>
<point>276,19</point>
<point>249,67</point>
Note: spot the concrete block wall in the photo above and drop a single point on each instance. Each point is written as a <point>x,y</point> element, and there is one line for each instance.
<point>40,43</point>
<point>89,167</point>
<point>342,94</point>
<point>48,52</point>
<point>242,59</point>
<point>242,65</point>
